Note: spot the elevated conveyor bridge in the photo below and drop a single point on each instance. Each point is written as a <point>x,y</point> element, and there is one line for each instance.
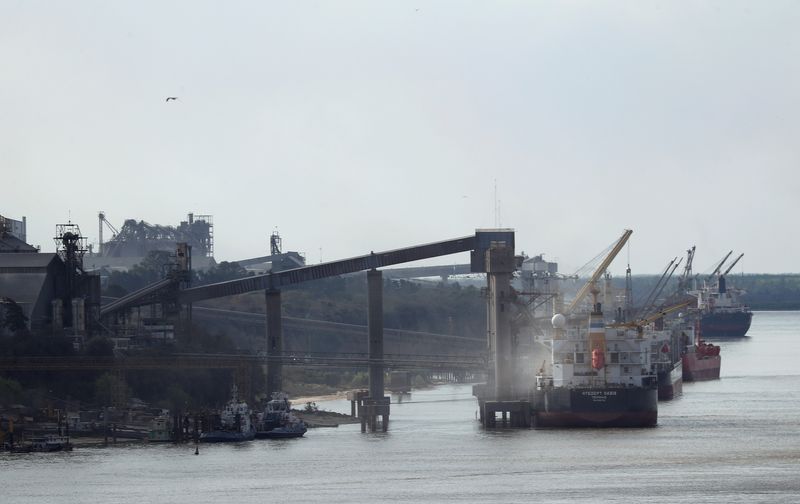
<point>480,245</point>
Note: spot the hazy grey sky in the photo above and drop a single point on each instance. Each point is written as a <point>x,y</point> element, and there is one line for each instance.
<point>358,126</point>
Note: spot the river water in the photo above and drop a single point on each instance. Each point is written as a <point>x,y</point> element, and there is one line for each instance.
<point>732,440</point>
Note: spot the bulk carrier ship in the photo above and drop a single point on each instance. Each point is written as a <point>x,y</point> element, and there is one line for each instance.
<point>722,314</point>
<point>585,390</point>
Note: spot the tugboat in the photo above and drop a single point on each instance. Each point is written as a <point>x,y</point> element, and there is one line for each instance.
<point>232,425</point>
<point>160,428</point>
<point>277,420</point>
<point>50,443</point>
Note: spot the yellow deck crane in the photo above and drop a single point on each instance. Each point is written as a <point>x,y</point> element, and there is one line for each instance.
<point>591,285</point>
<point>660,313</point>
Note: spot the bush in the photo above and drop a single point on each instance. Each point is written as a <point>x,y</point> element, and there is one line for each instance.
<point>360,379</point>
<point>10,391</point>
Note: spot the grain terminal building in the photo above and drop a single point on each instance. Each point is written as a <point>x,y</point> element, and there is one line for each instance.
<point>55,295</point>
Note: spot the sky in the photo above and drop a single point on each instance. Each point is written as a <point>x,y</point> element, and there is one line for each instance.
<point>353,127</point>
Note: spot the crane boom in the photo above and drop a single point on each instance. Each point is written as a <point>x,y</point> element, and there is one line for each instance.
<point>719,266</point>
<point>732,264</point>
<point>657,315</point>
<point>687,269</point>
<point>659,288</point>
<point>599,271</point>
<point>652,292</point>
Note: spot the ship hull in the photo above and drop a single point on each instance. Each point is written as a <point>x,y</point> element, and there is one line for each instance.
<point>226,437</point>
<point>670,382</point>
<point>697,368</point>
<point>725,324</point>
<point>595,407</point>
<point>281,433</point>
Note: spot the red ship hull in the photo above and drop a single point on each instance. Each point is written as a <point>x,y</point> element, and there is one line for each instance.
<point>697,368</point>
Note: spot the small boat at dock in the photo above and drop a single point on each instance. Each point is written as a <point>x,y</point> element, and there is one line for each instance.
<point>277,420</point>
<point>233,424</point>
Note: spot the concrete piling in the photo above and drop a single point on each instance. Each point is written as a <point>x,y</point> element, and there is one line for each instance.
<point>274,342</point>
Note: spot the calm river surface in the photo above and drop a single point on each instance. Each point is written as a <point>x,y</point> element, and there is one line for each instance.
<point>732,440</point>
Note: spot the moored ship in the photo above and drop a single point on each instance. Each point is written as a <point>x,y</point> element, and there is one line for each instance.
<point>160,429</point>
<point>232,425</point>
<point>701,360</point>
<point>670,380</point>
<point>722,314</point>
<point>50,443</point>
<point>277,420</point>
<point>585,390</point>
<point>667,357</point>
<point>735,323</point>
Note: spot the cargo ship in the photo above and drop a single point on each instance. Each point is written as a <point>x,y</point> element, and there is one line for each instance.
<point>670,380</point>
<point>722,314</point>
<point>701,360</point>
<point>587,390</point>
<point>667,354</point>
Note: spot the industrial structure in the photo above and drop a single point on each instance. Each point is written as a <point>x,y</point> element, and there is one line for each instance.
<point>498,243</point>
<point>277,260</point>
<point>54,292</point>
<point>65,299</point>
<point>13,235</point>
<point>136,239</point>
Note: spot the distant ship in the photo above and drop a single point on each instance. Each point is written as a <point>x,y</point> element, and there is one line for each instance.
<point>722,315</point>
<point>701,360</point>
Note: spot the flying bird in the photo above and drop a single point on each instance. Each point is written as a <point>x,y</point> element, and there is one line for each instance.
<point>171,98</point>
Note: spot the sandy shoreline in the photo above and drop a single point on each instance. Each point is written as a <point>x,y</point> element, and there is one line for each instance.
<point>300,402</point>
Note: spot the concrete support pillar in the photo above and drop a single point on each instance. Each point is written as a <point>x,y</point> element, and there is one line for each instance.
<point>499,267</point>
<point>375,324</point>
<point>274,342</point>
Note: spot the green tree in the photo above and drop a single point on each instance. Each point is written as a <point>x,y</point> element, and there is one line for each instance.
<point>12,317</point>
<point>222,272</point>
<point>10,391</point>
<point>99,346</point>
<point>108,389</point>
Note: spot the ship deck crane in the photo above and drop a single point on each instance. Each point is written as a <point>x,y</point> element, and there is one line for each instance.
<point>719,266</point>
<point>687,270</point>
<point>732,265</point>
<point>591,285</point>
<point>659,288</point>
<point>657,315</point>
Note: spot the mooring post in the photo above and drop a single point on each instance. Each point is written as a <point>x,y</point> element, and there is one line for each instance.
<point>274,342</point>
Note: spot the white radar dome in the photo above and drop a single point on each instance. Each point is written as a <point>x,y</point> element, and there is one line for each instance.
<point>559,321</point>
